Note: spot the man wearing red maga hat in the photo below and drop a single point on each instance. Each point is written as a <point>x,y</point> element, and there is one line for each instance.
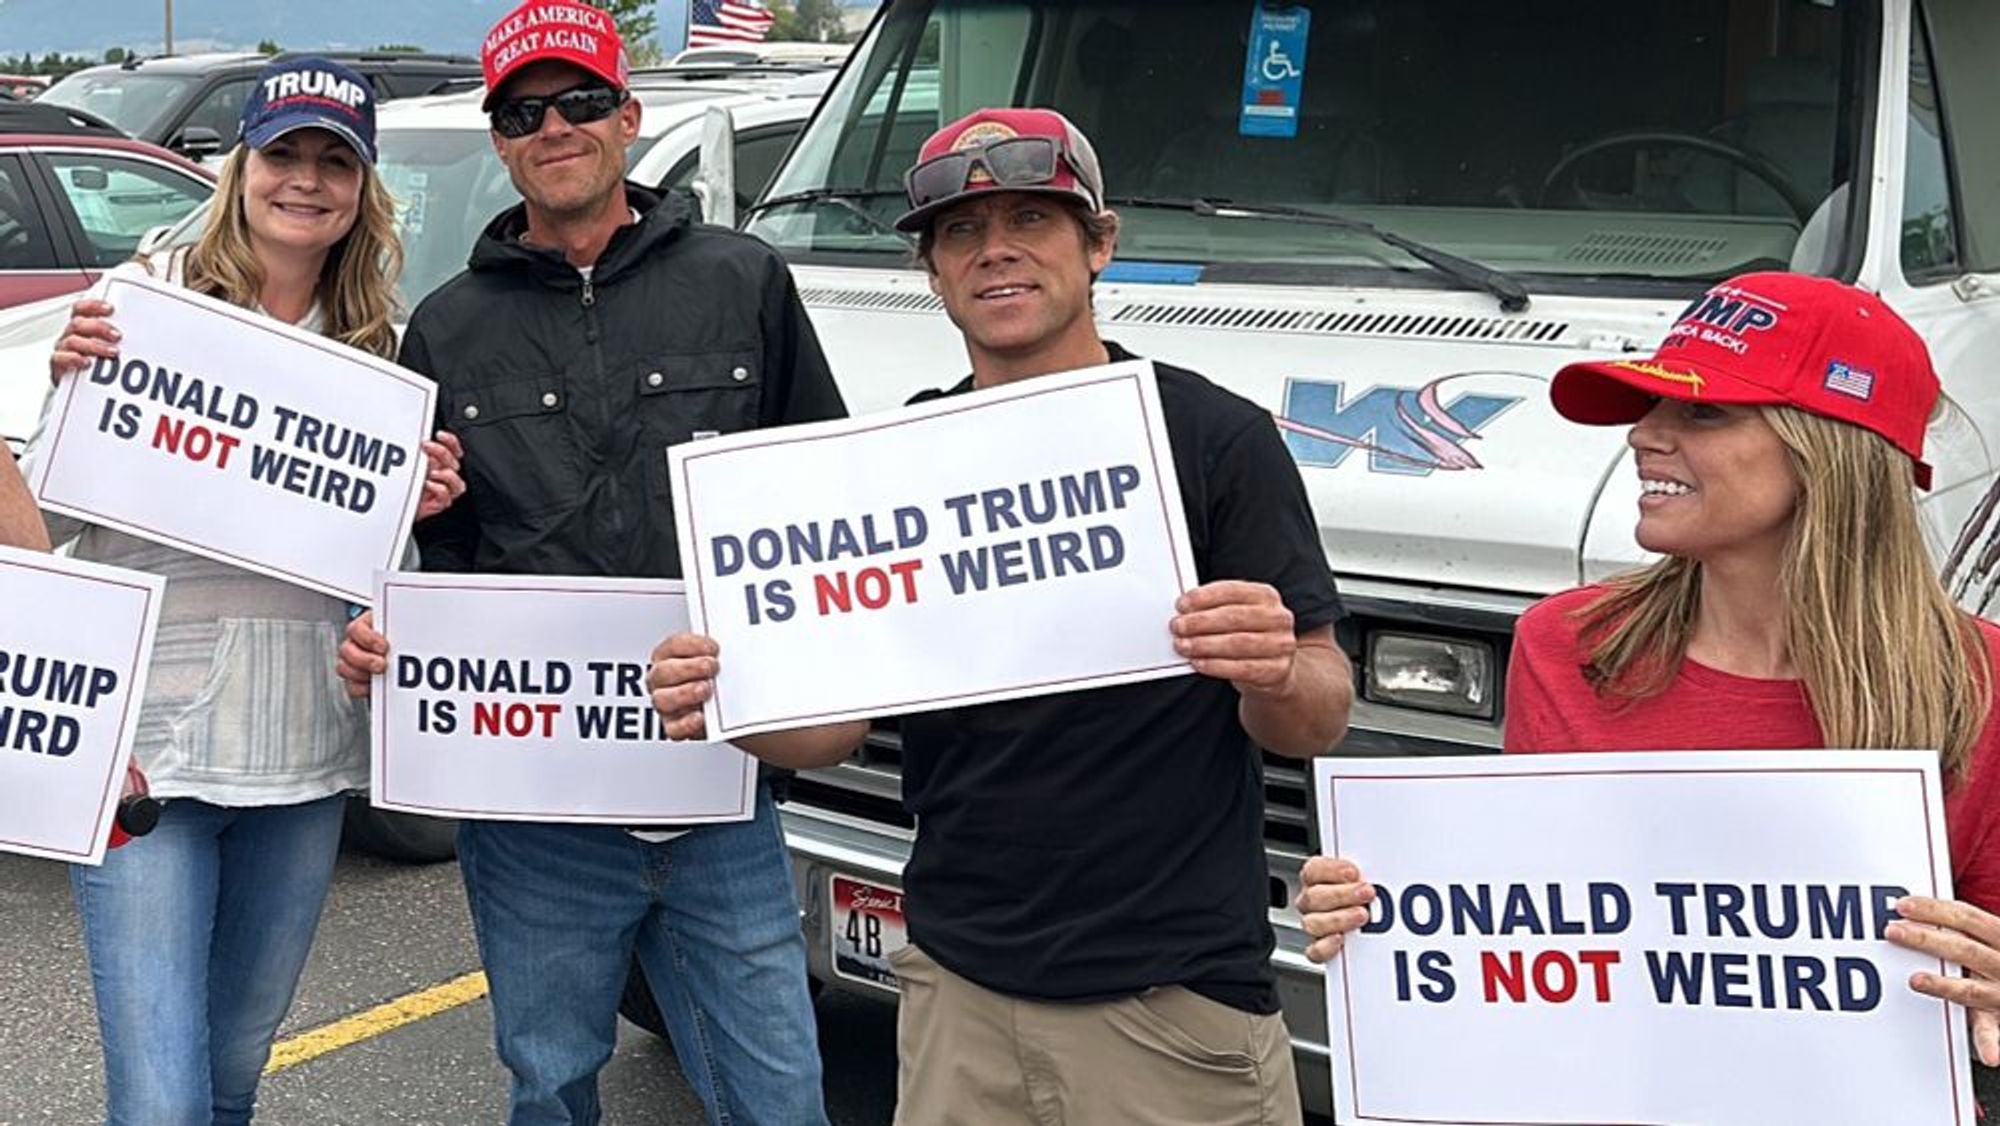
<point>598,324</point>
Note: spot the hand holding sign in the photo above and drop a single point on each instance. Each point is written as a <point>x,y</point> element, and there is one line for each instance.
<point>212,429</point>
<point>681,680</point>
<point>1047,523</point>
<point>1239,632</point>
<point>1747,914</point>
<point>1333,900</point>
<point>442,482</point>
<point>88,337</point>
<point>519,697</point>
<point>1961,933</point>
<point>363,656</point>
<point>91,336</point>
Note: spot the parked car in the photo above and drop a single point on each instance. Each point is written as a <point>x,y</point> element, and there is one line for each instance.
<point>191,103</point>
<point>764,129</point>
<point>774,52</point>
<point>438,160</point>
<point>76,196</point>
<point>24,87</point>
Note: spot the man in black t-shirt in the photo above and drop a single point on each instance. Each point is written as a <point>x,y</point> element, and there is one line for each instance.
<point>1086,893</point>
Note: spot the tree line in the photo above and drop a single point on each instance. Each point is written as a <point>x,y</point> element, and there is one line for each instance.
<point>638,23</point>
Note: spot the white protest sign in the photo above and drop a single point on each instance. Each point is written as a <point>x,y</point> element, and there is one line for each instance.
<point>523,698</point>
<point>1642,938</point>
<point>1005,543</point>
<point>73,663</point>
<point>234,436</point>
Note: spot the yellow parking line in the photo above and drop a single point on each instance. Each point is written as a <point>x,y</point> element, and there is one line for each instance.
<point>385,1017</point>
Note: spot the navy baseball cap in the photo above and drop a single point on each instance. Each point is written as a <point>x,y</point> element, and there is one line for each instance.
<point>310,93</point>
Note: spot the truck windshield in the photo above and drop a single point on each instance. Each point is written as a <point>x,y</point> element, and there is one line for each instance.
<point>1658,140</point>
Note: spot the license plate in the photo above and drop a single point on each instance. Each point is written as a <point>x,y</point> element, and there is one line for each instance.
<point>867,928</point>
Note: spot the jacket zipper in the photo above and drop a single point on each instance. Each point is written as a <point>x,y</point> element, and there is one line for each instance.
<point>612,485</point>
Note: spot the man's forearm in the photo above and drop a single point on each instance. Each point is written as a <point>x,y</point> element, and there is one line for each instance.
<point>805,748</point>
<point>1310,716</point>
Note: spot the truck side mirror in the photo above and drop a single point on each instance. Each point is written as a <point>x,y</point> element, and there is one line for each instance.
<point>715,181</point>
<point>196,142</point>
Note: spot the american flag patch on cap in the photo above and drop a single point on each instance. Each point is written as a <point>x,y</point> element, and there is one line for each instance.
<point>1849,381</point>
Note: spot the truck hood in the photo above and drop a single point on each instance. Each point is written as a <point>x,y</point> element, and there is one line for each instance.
<point>1419,420</point>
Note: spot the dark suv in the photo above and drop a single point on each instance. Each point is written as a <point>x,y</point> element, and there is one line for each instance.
<point>191,103</point>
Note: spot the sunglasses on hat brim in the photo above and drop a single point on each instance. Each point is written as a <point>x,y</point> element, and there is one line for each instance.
<point>1016,162</point>
<point>520,117</point>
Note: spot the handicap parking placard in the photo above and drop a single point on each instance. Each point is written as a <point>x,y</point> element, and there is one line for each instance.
<point>1274,72</point>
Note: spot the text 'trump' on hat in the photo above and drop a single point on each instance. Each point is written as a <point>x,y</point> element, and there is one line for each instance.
<point>1774,339</point>
<point>310,93</point>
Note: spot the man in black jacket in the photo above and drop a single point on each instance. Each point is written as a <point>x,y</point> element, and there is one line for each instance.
<point>596,326</point>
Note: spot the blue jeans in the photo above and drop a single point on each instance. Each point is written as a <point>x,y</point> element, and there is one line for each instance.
<point>560,910</point>
<point>196,935</point>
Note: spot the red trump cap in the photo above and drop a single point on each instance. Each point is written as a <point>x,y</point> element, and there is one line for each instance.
<point>1774,339</point>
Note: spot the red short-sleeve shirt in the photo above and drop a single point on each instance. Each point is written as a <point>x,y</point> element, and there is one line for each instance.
<point>1550,707</point>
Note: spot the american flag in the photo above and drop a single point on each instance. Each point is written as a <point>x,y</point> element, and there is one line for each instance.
<point>719,23</point>
<point>1850,381</point>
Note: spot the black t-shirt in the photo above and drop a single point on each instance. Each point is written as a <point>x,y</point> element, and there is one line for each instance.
<point>1095,844</point>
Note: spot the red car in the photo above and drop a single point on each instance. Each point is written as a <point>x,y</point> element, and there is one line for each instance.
<point>76,196</point>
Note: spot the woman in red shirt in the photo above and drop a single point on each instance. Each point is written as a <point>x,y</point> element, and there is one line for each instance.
<point>1778,434</point>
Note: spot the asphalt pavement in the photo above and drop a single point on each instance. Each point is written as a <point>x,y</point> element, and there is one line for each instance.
<point>390,931</point>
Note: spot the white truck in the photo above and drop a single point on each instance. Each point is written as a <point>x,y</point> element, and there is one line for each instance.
<point>1390,221</point>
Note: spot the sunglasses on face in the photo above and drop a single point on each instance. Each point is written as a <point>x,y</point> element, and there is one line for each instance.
<point>1018,162</point>
<point>519,117</point>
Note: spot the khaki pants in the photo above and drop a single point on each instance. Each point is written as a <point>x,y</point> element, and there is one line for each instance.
<point>1169,1057</point>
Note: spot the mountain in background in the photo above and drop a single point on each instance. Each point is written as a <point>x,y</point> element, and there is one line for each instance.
<point>446,26</point>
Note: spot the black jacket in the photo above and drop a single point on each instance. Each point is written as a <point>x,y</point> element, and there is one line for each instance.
<point>566,393</point>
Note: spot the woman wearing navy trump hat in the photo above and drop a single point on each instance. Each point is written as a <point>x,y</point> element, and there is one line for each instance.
<point>1778,436</point>
<point>197,933</point>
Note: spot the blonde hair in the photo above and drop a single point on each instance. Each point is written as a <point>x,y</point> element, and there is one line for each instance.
<point>1887,658</point>
<point>357,284</point>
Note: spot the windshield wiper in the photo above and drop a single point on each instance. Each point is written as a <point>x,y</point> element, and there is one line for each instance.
<point>840,197</point>
<point>1512,294</point>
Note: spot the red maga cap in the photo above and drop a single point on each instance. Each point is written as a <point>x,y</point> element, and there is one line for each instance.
<point>1780,339</point>
<point>561,30</point>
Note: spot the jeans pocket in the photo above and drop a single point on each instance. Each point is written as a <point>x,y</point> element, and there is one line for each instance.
<point>271,703</point>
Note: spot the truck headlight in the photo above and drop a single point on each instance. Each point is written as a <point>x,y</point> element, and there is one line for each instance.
<point>1431,673</point>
